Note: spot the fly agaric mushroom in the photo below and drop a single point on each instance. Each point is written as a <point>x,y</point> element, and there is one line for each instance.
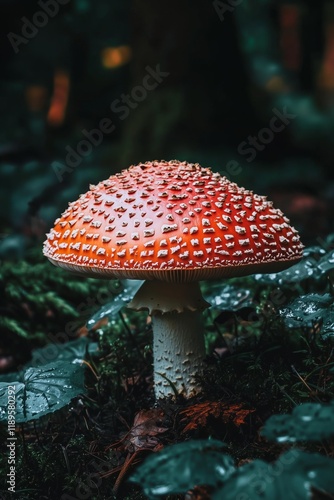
<point>172,224</point>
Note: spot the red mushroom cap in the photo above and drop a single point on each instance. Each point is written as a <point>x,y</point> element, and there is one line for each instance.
<point>173,221</point>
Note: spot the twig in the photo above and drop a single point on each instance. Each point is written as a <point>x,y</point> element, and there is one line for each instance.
<point>285,393</point>
<point>127,463</point>
<point>302,380</point>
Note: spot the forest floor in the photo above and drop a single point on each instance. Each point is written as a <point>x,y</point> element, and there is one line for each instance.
<point>270,348</point>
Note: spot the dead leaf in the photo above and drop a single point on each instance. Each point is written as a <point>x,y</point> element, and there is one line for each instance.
<point>199,413</point>
<point>145,430</point>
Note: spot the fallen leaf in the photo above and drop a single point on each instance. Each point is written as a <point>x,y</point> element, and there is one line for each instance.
<point>200,412</point>
<point>145,430</point>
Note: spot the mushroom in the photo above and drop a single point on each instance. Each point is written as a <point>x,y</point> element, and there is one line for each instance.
<point>172,224</point>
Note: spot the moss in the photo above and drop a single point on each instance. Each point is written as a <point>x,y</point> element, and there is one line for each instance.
<point>38,301</point>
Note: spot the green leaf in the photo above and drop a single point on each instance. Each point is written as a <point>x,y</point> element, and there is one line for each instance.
<point>315,263</point>
<point>40,391</point>
<point>308,422</point>
<point>53,377</point>
<point>127,291</point>
<point>180,467</point>
<point>229,297</point>
<point>305,269</point>
<point>291,477</point>
<point>309,310</point>
<point>326,264</point>
<point>72,351</point>
<point>14,328</point>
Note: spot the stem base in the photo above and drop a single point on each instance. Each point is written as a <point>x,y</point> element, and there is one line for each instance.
<point>179,350</point>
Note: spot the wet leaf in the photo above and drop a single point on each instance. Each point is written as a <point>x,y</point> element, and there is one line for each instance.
<point>305,269</point>
<point>228,297</point>
<point>70,351</point>
<point>308,422</point>
<point>326,264</point>
<point>180,467</point>
<point>291,477</point>
<point>309,310</point>
<point>40,391</point>
<point>198,414</point>
<point>315,263</point>
<point>314,251</point>
<point>113,307</point>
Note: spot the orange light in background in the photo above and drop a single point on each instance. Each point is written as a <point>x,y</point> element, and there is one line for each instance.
<point>113,57</point>
<point>277,84</point>
<point>326,74</point>
<point>36,97</point>
<point>59,99</point>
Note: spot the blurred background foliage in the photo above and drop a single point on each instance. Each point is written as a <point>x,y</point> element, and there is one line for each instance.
<point>230,70</point>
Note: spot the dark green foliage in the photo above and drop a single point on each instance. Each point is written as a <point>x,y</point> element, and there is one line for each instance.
<point>317,263</point>
<point>308,422</point>
<point>180,467</point>
<point>40,391</point>
<point>306,269</point>
<point>311,311</point>
<point>40,303</point>
<point>126,351</point>
<point>73,352</point>
<point>291,477</point>
<point>45,387</point>
<point>228,297</point>
<point>125,292</point>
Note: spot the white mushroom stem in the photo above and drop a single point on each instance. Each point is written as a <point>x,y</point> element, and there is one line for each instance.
<point>178,348</point>
<point>178,341</point>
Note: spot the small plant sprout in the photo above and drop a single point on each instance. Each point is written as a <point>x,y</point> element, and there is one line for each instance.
<point>172,224</point>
